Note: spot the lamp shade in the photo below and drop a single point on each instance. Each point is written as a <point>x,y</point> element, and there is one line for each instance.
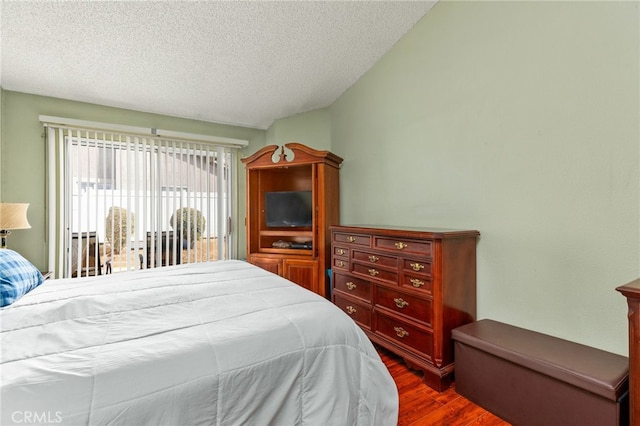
<point>13,216</point>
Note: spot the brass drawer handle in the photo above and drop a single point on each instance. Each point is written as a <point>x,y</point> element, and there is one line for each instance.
<point>401,332</point>
<point>340,263</point>
<point>401,246</point>
<point>373,272</point>
<point>350,310</point>
<point>351,285</point>
<point>416,282</point>
<point>351,239</point>
<point>373,258</point>
<point>400,302</point>
<point>416,266</point>
<point>340,251</point>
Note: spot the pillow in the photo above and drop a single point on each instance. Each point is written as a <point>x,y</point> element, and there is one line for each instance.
<point>18,276</point>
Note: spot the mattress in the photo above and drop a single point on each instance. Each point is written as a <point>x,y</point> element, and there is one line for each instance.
<point>218,343</point>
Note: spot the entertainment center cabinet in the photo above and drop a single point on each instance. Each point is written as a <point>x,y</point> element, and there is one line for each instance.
<point>293,196</point>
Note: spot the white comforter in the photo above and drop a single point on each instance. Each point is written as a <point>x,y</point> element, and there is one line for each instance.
<point>222,343</point>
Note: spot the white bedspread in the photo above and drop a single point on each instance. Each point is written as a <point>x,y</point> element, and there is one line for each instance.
<point>222,343</point>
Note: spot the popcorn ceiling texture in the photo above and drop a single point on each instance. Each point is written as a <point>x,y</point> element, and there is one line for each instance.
<point>233,62</point>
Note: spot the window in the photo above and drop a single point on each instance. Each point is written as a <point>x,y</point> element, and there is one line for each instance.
<point>148,201</point>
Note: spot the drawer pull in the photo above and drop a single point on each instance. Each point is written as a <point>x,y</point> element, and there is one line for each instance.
<point>417,266</point>
<point>373,272</point>
<point>340,252</point>
<point>401,246</point>
<point>351,239</point>
<point>350,310</point>
<point>416,282</point>
<point>373,258</point>
<point>401,332</point>
<point>400,302</point>
<point>350,285</point>
<point>340,264</point>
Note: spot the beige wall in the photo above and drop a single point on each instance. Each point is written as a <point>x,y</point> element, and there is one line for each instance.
<point>22,167</point>
<point>521,120</point>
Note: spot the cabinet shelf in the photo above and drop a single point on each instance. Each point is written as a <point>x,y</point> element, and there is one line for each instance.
<point>286,233</point>
<point>294,252</point>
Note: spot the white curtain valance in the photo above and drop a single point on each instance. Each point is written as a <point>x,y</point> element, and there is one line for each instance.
<point>47,121</point>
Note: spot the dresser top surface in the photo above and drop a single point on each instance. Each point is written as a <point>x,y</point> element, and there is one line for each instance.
<point>631,289</point>
<point>398,230</point>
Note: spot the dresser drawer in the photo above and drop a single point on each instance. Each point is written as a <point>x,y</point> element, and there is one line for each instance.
<point>374,272</point>
<point>419,267</point>
<point>360,312</point>
<point>340,263</point>
<point>353,286</point>
<point>404,333</point>
<point>341,251</point>
<point>403,245</point>
<point>354,239</point>
<point>418,309</point>
<point>417,282</point>
<point>375,258</point>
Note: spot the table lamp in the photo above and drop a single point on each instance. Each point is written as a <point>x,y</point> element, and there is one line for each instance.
<point>12,216</point>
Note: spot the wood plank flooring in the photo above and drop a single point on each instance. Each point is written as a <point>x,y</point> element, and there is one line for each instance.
<point>420,405</point>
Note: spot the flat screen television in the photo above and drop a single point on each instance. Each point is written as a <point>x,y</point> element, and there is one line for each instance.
<point>288,209</point>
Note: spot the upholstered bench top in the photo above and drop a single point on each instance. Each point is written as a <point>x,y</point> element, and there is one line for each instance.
<point>600,372</point>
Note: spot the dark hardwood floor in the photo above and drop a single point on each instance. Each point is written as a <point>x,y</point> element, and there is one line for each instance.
<point>421,405</point>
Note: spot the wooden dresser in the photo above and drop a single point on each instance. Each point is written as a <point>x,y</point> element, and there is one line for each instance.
<point>407,289</point>
<point>632,292</point>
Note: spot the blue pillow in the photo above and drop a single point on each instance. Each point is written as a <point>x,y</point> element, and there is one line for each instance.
<point>18,276</point>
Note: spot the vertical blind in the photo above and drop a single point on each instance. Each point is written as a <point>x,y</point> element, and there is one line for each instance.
<point>126,201</point>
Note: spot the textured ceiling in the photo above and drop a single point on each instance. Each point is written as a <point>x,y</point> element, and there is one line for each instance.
<point>234,62</point>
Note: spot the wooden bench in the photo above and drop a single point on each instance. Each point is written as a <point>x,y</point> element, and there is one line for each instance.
<point>529,378</point>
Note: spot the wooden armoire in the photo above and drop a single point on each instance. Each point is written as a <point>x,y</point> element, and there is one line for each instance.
<point>298,250</point>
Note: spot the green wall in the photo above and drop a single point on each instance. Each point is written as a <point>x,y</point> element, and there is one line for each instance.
<point>311,128</point>
<point>521,120</point>
<point>22,166</point>
<point>1,120</point>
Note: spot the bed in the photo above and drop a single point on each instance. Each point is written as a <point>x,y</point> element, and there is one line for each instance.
<point>219,343</point>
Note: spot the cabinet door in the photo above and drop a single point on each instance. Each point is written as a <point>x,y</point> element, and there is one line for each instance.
<point>304,273</point>
<point>267,263</point>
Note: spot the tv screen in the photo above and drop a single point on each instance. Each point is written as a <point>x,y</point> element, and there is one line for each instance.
<point>288,208</point>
